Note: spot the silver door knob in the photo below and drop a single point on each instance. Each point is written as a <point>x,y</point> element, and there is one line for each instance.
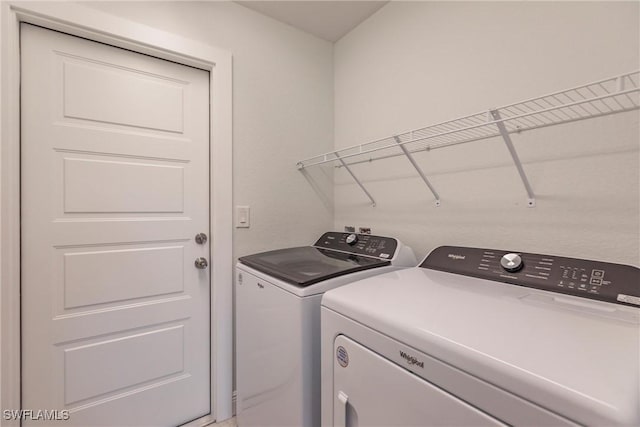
<point>201,238</point>
<point>201,263</point>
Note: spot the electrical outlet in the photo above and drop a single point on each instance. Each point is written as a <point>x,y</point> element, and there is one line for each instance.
<point>365,230</point>
<point>349,229</point>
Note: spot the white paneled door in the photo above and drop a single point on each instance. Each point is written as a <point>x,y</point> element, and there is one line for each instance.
<point>115,186</point>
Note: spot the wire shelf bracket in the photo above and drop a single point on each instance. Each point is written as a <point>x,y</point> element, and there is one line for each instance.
<point>613,95</point>
<point>495,114</point>
<point>418,169</point>
<point>355,178</point>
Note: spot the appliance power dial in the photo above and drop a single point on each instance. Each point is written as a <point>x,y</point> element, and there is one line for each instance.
<point>511,262</point>
<point>352,239</point>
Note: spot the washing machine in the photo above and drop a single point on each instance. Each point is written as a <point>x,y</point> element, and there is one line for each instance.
<point>278,296</point>
<point>482,337</point>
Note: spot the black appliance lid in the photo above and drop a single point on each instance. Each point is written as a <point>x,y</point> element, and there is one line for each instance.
<point>306,265</point>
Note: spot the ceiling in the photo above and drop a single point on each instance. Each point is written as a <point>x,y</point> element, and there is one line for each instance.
<point>329,20</point>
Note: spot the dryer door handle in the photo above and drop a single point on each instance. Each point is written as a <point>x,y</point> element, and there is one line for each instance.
<point>340,416</point>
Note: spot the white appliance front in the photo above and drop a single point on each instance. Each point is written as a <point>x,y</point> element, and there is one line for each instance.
<point>276,353</point>
<point>391,395</point>
<point>278,348</point>
<point>278,325</point>
<point>352,402</point>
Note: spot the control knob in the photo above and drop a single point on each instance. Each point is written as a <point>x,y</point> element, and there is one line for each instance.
<point>511,262</point>
<point>352,239</point>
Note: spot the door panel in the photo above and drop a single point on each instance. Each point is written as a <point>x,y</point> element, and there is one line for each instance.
<point>150,187</point>
<point>158,101</point>
<point>119,357</point>
<point>115,185</point>
<point>119,275</point>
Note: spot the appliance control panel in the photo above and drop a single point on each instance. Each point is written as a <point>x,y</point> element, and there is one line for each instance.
<point>359,244</point>
<point>615,283</point>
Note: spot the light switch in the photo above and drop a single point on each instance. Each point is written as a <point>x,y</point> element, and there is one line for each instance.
<point>242,216</point>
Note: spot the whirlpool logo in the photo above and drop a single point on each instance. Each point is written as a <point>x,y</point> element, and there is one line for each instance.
<point>411,360</point>
<point>456,257</point>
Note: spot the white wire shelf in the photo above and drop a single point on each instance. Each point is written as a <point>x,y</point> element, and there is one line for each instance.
<point>609,96</point>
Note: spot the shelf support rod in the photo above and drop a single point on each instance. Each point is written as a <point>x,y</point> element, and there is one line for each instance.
<point>373,202</point>
<point>531,200</point>
<point>418,169</point>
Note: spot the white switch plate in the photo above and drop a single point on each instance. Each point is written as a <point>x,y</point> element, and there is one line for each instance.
<point>243,216</point>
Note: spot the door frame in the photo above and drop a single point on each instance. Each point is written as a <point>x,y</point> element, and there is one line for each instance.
<point>82,21</point>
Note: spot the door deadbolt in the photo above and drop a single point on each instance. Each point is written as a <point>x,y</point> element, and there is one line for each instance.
<point>201,238</point>
<point>201,263</point>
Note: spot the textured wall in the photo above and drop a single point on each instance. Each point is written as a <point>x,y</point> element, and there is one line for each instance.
<point>418,63</point>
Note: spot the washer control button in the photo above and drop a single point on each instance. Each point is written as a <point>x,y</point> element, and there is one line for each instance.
<point>511,262</point>
<point>352,239</point>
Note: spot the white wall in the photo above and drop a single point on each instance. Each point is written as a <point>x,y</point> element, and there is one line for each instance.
<point>282,111</point>
<point>418,63</point>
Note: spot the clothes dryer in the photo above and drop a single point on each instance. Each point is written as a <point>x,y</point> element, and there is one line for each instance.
<point>484,337</point>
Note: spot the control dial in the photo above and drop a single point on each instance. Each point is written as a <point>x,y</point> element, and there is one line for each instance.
<point>511,262</point>
<point>352,239</point>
